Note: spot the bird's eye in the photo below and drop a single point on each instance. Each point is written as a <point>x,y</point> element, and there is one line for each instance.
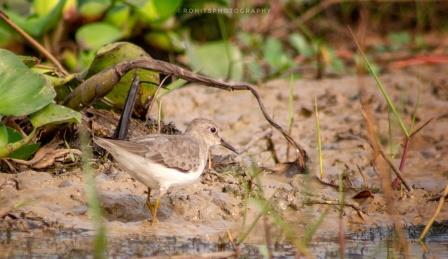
<point>213,130</point>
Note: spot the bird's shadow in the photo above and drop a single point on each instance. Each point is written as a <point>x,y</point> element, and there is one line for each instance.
<point>128,207</point>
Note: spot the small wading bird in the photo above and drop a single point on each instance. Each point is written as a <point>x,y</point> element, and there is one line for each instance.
<point>161,161</point>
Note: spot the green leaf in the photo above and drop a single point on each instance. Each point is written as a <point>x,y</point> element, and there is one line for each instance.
<point>399,39</point>
<point>3,135</point>
<point>13,135</point>
<point>255,71</point>
<point>158,10</point>
<point>17,146</point>
<point>219,59</point>
<point>43,7</point>
<point>94,35</point>
<point>92,10</point>
<point>54,114</point>
<point>275,55</point>
<point>120,16</point>
<point>25,152</point>
<point>22,91</point>
<point>8,37</point>
<point>37,26</point>
<point>165,40</point>
<point>115,53</point>
<point>299,42</point>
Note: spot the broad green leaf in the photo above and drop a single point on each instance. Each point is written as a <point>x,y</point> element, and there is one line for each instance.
<point>43,7</point>
<point>118,15</point>
<point>22,91</point>
<point>54,114</point>
<point>38,25</point>
<point>92,10</point>
<point>8,37</point>
<point>275,56</point>
<point>115,53</point>
<point>25,152</point>
<point>165,40</point>
<point>299,42</point>
<point>13,135</point>
<point>95,35</point>
<point>219,59</point>
<point>158,10</point>
<point>16,147</point>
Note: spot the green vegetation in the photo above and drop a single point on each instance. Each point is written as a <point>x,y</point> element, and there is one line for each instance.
<point>60,57</point>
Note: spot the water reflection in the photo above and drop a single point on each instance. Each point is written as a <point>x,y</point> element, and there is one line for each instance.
<point>376,243</point>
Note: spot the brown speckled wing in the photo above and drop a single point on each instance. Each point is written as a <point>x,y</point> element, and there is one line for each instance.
<point>173,151</point>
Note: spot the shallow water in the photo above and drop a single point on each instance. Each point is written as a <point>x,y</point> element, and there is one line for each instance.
<point>376,243</point>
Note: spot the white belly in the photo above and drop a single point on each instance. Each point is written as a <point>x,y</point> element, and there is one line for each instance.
<point>154,175</point>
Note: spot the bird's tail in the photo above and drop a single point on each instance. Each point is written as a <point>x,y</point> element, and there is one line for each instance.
<point>105,144</point>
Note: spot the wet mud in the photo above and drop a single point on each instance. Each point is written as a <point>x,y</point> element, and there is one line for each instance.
<point>51,204</point>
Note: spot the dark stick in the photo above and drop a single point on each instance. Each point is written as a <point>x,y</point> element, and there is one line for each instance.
<point>121,132</point>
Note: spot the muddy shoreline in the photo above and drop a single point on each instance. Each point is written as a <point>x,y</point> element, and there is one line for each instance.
<point>33,201</point>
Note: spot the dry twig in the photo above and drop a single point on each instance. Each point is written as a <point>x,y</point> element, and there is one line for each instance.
<point>436,213</point>
<point>33,42</point>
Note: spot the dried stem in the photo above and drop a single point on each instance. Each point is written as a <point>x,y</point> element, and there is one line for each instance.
<point>436,213</point>
<point>395,170</point>
<point>396,182</point>
<point>33,42</point>
<point>148,111</point>
<point>379,161</point>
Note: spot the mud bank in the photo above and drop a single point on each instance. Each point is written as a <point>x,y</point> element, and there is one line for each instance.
<point>54,199</point>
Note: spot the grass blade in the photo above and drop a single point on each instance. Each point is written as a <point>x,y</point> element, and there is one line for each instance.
<point>381,87</point>
<point>319,140</point>
<point>100,241</point>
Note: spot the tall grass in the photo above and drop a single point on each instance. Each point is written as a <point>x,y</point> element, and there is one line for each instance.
<point>95,212</point>
<point>255,194</point>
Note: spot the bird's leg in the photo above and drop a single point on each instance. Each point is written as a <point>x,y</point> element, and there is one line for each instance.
<point>148,202</point>
<point>156,207</point>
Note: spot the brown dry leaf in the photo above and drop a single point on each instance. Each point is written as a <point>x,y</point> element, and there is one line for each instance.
<point>363,195</point>
<point>48,155</point>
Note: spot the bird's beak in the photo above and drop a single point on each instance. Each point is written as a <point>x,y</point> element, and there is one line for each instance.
<point>228,146</point>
